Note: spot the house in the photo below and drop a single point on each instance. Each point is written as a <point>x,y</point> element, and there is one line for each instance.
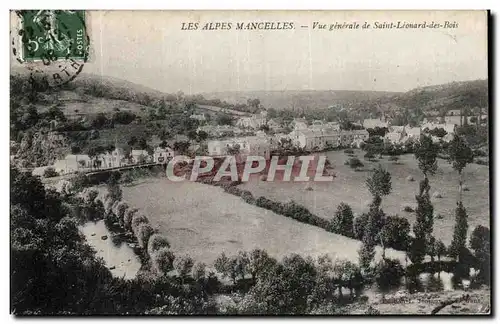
<point>113,159</point>
<point>394,137</point>
<point>73,163</point>
<point>396,129</point>
<point>253,122</point>
<point>139,156</point>
<point>413,132</point>
<point>299,123</point>
<point>219,130</point>
<point>332,126</point>
<point>246,146</point>
<point>318,139</point>
<point>396,134</point>
<point>198,117</point>
<point>374,122</point>
<point>450,128</point>
<point>162,155</point>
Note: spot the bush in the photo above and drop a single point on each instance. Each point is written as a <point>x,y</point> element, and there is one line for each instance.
<point>247,196</point>
<point>50,172</point>
<point>127,218</point>
<point>480,153</point>
<point>144,233</point>
<point>355,163</point>
<point>120,211</point>
<point>408,209</point>
<point>481,162</point>
<point>369,156</point>
<point>162,260</point>
<point>199,271</point>
<point>157,242</point>
<point>183,265</point>
<point>360,225</point>
<point>136,221</point>
<point>349,151</point>
<point>388,273</point>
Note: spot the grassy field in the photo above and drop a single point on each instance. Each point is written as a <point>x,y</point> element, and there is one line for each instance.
<point>349,187</point>
<point>203,221</point>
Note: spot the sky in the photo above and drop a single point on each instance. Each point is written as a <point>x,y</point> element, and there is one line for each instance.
<point>149,48</point>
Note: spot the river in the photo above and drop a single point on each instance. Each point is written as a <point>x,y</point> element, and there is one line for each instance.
<point>118,256</point>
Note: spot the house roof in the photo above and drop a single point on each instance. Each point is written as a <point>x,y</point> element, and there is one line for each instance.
<point>139,152</point>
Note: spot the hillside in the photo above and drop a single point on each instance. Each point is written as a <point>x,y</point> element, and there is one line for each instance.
<point>296,99</point>
<point>443,97</point>
<point>439,98</point>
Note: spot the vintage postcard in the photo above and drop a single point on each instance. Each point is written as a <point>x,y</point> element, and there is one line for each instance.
<point>249,163</point>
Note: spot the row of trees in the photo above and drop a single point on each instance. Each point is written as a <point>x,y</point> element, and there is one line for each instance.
<point>376,228</point>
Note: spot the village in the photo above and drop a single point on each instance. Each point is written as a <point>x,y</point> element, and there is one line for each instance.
<point>258,135</point>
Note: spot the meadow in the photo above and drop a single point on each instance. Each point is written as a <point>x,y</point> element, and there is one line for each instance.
<point>203,221</point>
<point>349,187</point>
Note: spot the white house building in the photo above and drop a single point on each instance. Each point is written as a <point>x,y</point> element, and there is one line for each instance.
<point>253,122</point>
<point>374,122</point>
<point>319,139</point>
<point>139,156</point>
<point>250,145</point>
<point>198,117</point>
<point>73,163</point>
<point>162,155</point>
<point>299,123</point>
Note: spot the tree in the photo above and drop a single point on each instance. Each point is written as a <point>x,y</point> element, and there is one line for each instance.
<point>379,184</point>
<point>202,136</point>
<point>242,261</point>
<point>423,226</point>
<point>458,243</point>
<point>144,233</point>
<point>114,191</point>
<point>192,135</point>
<point>460,154</point>
<point>360,225</point>
<point>55,113</point>
<point>199,271</point>
<point>355,163</point>
<point>342,222</point>
<point>285,289</point>
<point>181,146</point>
<point>395,233</point>
<point>431,248</point>
<point>162,112</point>
<point>221,265</point>
<point>480,243</point>
<point>259,262</point>
<point>163,260</point>
<point>123,117</point>
<point>426,153</point>
<point>233,149</point>
<point>164,135</point>
<point>157,242</point>
<point>439,132</point>
<point>50,172</point>
<point>369,241</point>
<point>132,141</point>
<point>223,119</point>
<point>440,249</point>
<point>183,265</point>
<point>388,273</point>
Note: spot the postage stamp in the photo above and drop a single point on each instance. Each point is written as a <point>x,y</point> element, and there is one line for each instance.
<point>54,44</point>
